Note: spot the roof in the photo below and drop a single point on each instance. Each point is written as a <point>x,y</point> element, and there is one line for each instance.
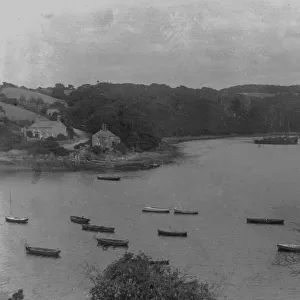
<point>44,124</point>
<point>105,133</point>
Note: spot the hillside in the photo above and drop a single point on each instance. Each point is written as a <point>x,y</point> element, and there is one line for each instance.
<point>17,113</point>
<point>16,92</point>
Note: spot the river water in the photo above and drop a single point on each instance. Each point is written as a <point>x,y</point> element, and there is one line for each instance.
<point>227,180</point>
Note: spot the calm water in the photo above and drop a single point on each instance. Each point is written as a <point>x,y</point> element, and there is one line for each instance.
<point>226,180</point>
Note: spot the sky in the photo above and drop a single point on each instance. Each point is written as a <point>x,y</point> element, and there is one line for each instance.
<point>195,43</point>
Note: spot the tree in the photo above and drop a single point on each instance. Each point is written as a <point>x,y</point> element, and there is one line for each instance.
<point>39,101</point>
<point>138,277</point>
<point>29,134</point>
<point>22,99</point>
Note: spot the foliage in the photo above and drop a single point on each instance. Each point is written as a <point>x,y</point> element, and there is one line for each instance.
<point>61,137</point>
<point>97,150</point>
<point>136,277</point>
<point>121,147</point>
<point>29,133</point>
<point>18,295</point>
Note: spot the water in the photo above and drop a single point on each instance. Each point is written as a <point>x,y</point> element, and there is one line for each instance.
<point>226,180</point>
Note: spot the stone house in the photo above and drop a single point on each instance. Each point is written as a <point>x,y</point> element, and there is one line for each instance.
<point>43,128</point>
<point>104,138</point>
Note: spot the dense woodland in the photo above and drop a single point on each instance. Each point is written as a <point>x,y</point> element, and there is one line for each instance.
<point>142,114</point>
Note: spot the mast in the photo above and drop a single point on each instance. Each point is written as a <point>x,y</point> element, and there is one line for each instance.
<point>10,201</point>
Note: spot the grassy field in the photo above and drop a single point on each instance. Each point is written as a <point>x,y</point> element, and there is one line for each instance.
<point>11,92</point>
<point>17,113</point>
<point>259,95</point>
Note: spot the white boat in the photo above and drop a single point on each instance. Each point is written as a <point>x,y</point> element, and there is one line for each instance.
<point>155,209</point>
<point>288,247</point>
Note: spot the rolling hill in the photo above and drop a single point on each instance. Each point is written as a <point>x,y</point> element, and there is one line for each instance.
<point>16,92</point>
<point>17,113</point>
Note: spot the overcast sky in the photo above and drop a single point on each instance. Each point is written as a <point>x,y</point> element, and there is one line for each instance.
<point>194,43</point>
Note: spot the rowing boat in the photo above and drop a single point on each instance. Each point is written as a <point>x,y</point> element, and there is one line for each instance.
<point>169,232</point>
<point>288,247</point>
<point>42,251</point>
<point>156,209</point>
<point>185,212</point>
<point>97,228</point>
<point>111,178</point>
<point>112,242</point>
<point>18,220</point>
<point>265,221</point>
<point>79,220</point>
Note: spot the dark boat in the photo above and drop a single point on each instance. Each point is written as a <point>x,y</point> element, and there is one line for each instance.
<point>169,232</point>
<point>17,220</point>
<point>265,221</point>
<point>154,165</point>
<point>112,242</point>
<point>79,220</point>
<point>278,141</point>
<point>159,262</point>
<point>185,212</point>
<point>42,251</point>
<point>97,228</point>
<point>288,247</point>
<point>156,209</point>
<point>111,178</point>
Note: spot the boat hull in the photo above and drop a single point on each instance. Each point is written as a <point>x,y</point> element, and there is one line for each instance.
<point>79,220</point>
<point>42,251</point>
<point>288,248</point>
<point>112,242</point>
<point>16,220</point>
<point>97,228</point>
<point>287,141</point>
<point>109,178</point>
<point>185,212</point>
<point>156,210</point>
<point>172,233</point>
<point>265,221</point>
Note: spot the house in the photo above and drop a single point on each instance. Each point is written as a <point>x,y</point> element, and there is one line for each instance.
<point>43,128</point>
<point>51,111</point>
<point>104,138</point>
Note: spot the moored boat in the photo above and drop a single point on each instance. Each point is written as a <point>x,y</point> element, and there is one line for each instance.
<point>97,228</point>
<point>170,232</point>
<point>185,212</point>
<point>278,140</point>
<point>155,209</point>
<point>79,220</point>
<point>111,178</point>
<point>42,251</point>
<point>17,220</point>
<point>265,221</point>
<point>112,242</point>
<point>288,247</point>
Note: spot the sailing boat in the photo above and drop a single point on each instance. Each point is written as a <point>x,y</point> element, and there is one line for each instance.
<point>13,219</point>
<point>279,140</point>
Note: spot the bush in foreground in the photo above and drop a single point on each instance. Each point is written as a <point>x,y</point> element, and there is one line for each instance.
<point>137,277</point>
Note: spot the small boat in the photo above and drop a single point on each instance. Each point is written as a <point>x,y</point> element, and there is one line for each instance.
<point>42,251</point>
<point>185,212</point>
<point>169,232</point>
<point>79,220</point>
<point>18,220</point>
<point>159,262</point>
<point>111,178</point>
<point>97,228</point>
<point>265,221</point>
<point>112,242</point>
<point>156,209</point>
<point>288,247</point>
<point>278,141</point>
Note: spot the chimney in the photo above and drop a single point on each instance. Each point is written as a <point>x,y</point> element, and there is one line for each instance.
<point>58,118</point>
<point>104,127</point>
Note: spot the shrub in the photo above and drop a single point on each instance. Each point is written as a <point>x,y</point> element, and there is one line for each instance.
<point>60,151</point>
<point>50,138</point>
<point>137,277</point>
<point>121,147</point>
<point>97,150</point>
<point>29,134</point>
<point>61,137</point>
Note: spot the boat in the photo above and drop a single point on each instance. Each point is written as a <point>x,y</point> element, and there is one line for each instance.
<point>155,209</point>
<point>288,247</point>
<point>97,228</point>
<point>265,221</point>
<point>185,212</point>
<point>277,140</point>
<point>112,242</point>
<point>79,220</point>
<point>17,220</point>
<point>111,178</point>
<point>14,219</point>
<point>42,251</point>
<point>169,232</point>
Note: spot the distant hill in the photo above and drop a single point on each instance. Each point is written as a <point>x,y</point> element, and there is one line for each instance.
<point>17,113</point>
<point>16,92</point>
